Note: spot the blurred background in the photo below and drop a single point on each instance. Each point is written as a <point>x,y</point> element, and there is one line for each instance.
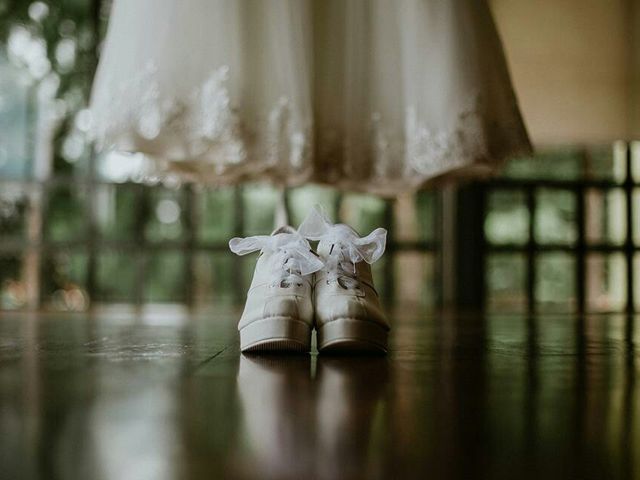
<point>556,232</point>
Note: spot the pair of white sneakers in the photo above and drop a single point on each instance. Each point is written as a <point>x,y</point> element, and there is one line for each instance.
<point>296,289</point>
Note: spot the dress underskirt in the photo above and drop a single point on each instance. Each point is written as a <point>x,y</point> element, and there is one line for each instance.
<point>367,95</point>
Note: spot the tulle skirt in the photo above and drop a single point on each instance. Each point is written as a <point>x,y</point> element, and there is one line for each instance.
<point>371,95</point>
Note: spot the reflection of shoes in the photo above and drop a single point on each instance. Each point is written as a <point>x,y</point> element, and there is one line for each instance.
<point>276,394</point>
<point>347,308</point>
<point>278,314</point>
<point>349,394</point>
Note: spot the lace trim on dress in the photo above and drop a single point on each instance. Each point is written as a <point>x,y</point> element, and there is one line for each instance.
<point>428,151</point>
<point>210,142</point>
<point>206,123</point>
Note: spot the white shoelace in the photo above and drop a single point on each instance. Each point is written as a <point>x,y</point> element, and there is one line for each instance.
<point>291,258</point>
<point>347,247</point>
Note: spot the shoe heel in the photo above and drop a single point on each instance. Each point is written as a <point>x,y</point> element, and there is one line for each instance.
<point>351,335</point>
<point>276,334</point>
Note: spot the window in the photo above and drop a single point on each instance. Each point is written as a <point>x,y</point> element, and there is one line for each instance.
<point>557,232</point>
<point>561,232</point>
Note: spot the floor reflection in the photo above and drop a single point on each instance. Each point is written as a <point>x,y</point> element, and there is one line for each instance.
<point>307,415</point>
<point>276,399</point>
<point>457,397</point>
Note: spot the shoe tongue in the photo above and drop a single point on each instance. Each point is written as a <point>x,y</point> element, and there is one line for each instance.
<point>342,234</point>
<point>324,248</point>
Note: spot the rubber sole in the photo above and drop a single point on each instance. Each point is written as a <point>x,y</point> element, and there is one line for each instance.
<point>277,334</point>
<point>351,335</point>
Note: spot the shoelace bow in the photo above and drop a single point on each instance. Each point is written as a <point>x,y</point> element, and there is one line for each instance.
<point>347,247</point>
<point>291,258</point>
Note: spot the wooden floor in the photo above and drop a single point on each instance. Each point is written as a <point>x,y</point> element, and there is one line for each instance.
<point>161,396</point>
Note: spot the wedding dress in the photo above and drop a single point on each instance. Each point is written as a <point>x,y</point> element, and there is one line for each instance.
<point>372,95</point>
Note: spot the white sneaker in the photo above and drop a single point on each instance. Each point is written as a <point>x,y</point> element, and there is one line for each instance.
<point>348,315</point>
<point>278,314</point>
